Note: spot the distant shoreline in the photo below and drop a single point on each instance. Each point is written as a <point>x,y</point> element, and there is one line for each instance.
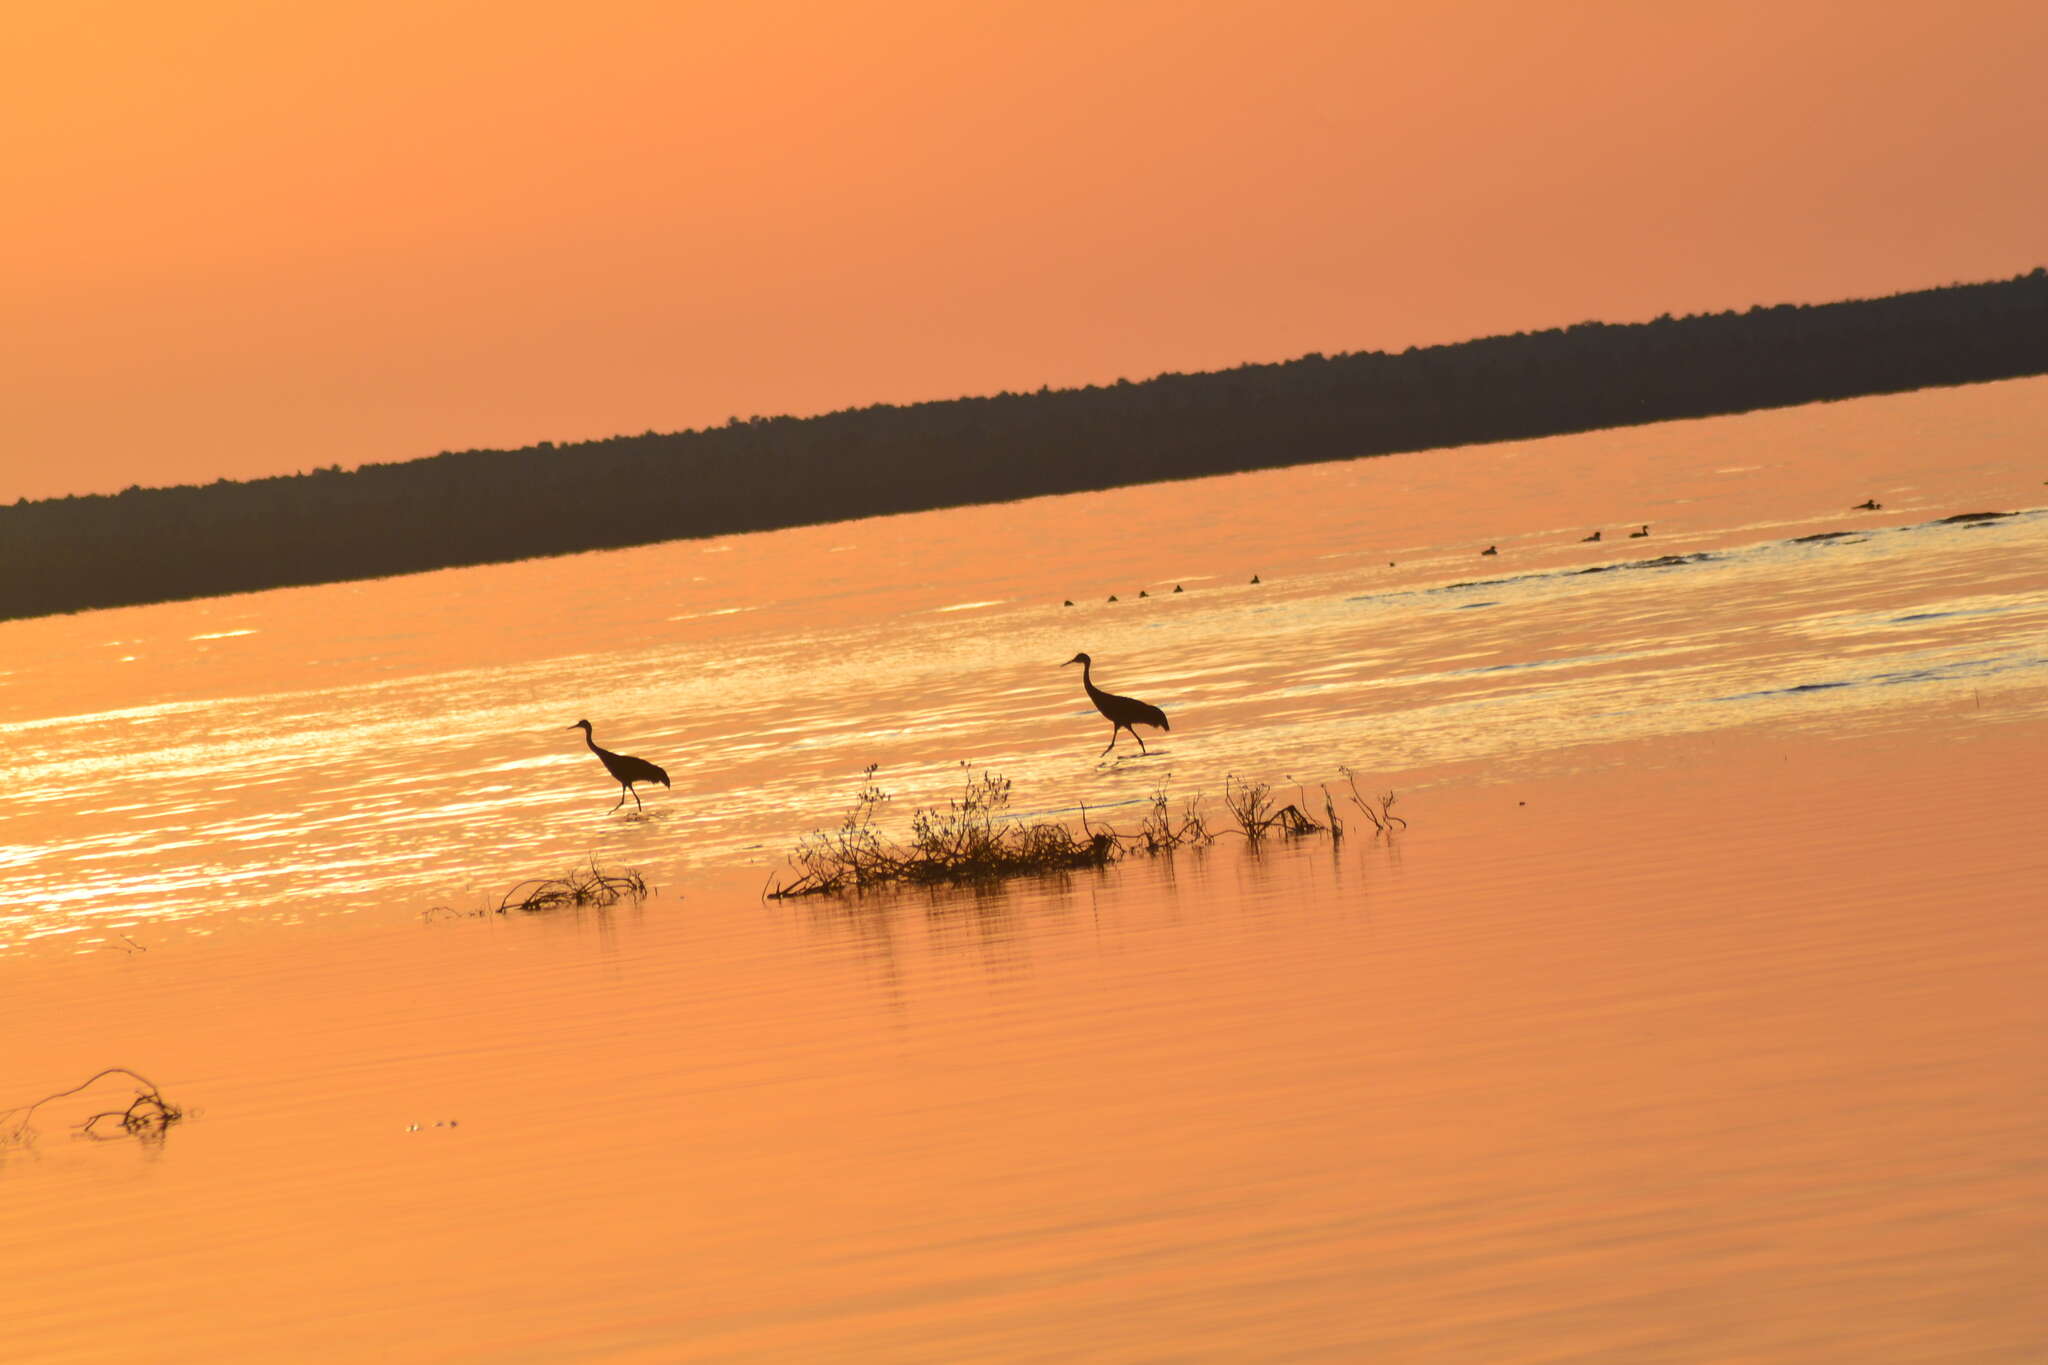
<point>488,506</point>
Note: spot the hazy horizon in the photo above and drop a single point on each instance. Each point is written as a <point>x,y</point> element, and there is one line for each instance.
<point>260,242</point>
<point>600,438</point>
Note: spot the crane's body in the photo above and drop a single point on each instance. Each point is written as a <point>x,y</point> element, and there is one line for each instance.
<point>1121,712</point>
<point>624,768</point>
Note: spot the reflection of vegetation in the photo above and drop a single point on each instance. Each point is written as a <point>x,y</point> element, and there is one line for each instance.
<point>145,1115</point>
<point>477,506</point>
<point>974,838</point>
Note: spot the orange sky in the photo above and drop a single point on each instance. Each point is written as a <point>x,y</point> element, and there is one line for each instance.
<point>250,238</point>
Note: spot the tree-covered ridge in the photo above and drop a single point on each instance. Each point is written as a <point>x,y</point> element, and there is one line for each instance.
<point>479,506</point>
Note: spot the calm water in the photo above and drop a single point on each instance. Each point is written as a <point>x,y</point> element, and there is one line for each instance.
<point>1696,1018</point>
<point>298,753</point>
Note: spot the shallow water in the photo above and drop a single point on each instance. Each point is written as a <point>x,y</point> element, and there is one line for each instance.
<point>1697,1016</point>
<point>298,753</point>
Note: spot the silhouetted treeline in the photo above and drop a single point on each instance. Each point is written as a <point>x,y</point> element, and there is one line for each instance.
<point>476,506</point>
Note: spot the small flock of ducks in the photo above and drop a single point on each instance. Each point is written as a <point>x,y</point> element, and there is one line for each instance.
<point>1867,505</point>
<point>1142,593</point>
<point>1593,539</point>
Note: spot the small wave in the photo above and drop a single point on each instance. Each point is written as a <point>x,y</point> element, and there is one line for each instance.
<point>221,635</point>
<point>1944,672</point>
<point>1955,613</point>
<point>970,606</point>
<point>701,615</point>
<point>1660,562</point>
<point>1788,691</point>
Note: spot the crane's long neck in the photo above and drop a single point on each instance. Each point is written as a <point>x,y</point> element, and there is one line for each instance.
<point>591,741</point>
<point>1088,683</point>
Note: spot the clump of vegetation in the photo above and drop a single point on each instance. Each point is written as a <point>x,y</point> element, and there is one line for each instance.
<point>1251,805</point>
<point>1162,831</point>
<point>147,1114</point>
<point>973,837</point>
<point>588,886</point>
<point>591,885</point>
<point>1378,809</point>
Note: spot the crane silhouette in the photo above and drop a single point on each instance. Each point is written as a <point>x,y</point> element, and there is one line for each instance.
<point>624,767</point>
<point>1122,712</point>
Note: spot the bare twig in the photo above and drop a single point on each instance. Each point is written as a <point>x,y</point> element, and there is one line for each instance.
<point>1380,811</point>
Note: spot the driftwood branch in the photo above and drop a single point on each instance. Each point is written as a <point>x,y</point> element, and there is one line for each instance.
<point>147,1114</point>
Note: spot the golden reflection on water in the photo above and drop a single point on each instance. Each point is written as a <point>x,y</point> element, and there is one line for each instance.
<point>330,749</point>
<point>1733,1059</point>
<point>1696,1018</point>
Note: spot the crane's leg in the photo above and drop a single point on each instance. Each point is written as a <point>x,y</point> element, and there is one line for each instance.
<point>636,798</point>
<point>1141,742</point>
<point>622,798</point>
<point>1114,731</point>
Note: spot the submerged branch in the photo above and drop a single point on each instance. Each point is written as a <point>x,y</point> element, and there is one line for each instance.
<point>591,885</point>
<point>147,1113</point>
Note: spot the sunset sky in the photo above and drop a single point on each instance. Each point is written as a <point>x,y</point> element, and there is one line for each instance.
<point>253,238</point>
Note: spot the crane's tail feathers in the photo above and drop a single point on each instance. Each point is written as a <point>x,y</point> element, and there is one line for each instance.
<point>661,776</point>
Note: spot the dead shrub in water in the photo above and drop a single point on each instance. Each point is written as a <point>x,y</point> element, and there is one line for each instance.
<point>1379,810</point>
<point>1162,832</point>
<point>973,837</point>
<point>853,856</point>
<point>589,886</point>
<point>146,1115</point>
<point>1251,805</point>
<point>592,886</point>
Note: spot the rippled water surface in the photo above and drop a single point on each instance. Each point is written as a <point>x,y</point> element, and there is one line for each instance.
<point>1696,1016</point>
<point>301,752</point>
